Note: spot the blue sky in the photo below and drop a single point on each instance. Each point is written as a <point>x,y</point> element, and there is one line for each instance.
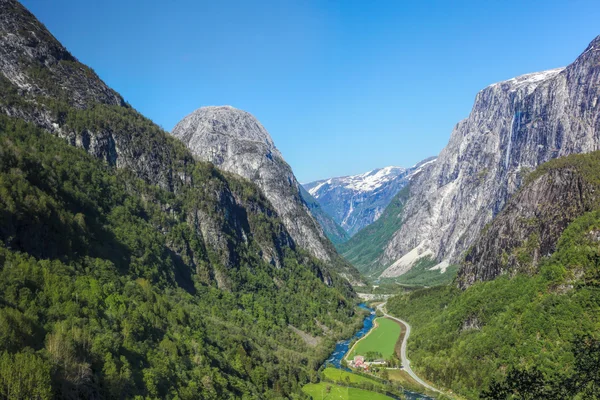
<point>342,86</point>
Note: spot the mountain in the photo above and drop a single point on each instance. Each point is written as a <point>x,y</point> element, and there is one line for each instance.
<point>514,126</point>
<point>530,226</point>
<point>235,141</point>
<point>524,319</point>
<point>358,200</point>
<point>127,267</point>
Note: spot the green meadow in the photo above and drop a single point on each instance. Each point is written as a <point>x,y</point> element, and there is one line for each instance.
<point>338,375</point>
<point>318,391</point>
<point>381,339</point>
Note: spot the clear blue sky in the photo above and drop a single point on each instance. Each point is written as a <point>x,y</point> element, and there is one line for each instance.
<point>342,86</point>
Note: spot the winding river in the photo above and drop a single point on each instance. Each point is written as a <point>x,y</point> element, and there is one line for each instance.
<point>342,347</point>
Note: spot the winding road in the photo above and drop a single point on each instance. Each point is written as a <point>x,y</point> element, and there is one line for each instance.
<point>403,358</point>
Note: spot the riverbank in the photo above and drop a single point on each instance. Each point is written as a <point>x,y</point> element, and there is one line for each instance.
<point>341,347</point>
<point>357,385</point>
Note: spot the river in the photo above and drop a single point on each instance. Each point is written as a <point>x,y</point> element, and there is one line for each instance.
<point>342,347</point>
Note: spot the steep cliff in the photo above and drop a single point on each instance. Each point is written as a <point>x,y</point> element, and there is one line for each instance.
<point>235,141</point>
<point>514,126</point>
<point>357,201</point>
<point>364,249</point>
<point>331,228</point>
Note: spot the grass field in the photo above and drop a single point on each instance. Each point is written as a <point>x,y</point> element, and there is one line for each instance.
<point>382,339</point>
<point>318,391</point>
<point>339,375</point>
<point>403,378</point>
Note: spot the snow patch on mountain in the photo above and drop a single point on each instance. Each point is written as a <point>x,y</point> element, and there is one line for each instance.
<point>372,180</point>
<point>356,201</point>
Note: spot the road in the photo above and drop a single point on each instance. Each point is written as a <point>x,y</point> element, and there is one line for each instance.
<point>405,361</point>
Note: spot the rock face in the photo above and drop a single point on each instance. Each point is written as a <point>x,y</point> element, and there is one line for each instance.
<point>332,229</point>
<point>234,141</point>
<point>38,65</point>
<point>358,200</point>
<point>514,126</point>
<point>529,227</point>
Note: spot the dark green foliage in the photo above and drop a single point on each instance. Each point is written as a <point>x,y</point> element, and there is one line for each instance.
<point>521,384</point>
<point>583,383</point>
<point>107,289</point>
<point>364,249</point>
<point>24,376</point>
<point>164,278</point>
<point>587,166</point>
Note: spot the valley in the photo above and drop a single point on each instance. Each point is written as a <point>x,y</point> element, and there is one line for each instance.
<point>378,375</point>
<point>142,263</point>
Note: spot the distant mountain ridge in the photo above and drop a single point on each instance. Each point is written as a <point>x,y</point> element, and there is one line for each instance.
<point>357,201</point>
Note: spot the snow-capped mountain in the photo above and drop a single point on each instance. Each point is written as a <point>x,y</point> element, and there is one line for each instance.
<point>358,200</point>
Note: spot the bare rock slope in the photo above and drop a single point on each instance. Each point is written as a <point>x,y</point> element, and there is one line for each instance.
<point>529,227</point>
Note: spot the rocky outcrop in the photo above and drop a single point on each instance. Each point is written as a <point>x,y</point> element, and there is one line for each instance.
<point>234,141</point>
<point>38,65</point>
<point>359,200</point>
<point>529,227</point>
<point>514,126</point>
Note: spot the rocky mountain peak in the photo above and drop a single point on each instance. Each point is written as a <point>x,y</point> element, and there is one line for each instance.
<point>356,201</point>
<point>594,45</point>
<point>527,82</point>
<point>220,124</point>
<point>235,141</point>
<point>39,65</point>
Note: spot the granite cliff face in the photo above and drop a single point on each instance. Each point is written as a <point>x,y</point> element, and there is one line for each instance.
<point>234,141</point>
<point>358,200</point>
<point>514,126</point>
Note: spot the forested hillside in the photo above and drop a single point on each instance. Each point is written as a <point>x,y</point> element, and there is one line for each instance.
<point>533,331</point>
<point>106,289</point>
<point>364,249</point>
<point>127,267</point>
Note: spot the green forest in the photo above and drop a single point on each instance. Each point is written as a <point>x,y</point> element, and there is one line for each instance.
<point>107,290</point>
